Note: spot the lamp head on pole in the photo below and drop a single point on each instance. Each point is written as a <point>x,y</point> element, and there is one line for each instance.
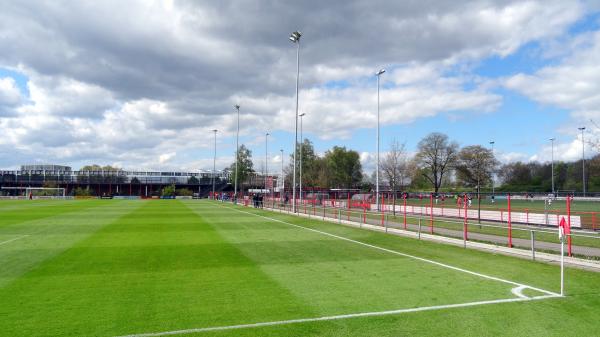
<point>237,106</point>
<point>552,139</point>
<point>381,71</point>
<point>581,128</point>
<point>214,130</point>
<point>295,37</point>
<point>302,114</point>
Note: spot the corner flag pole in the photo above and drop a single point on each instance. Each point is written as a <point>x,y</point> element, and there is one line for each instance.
<point>562,267</point>
<point>561,236</point>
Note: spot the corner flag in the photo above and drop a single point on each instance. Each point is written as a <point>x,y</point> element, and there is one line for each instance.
<point>563,228</point>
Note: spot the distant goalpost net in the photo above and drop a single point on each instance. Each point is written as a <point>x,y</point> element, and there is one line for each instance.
<point>33,192</point>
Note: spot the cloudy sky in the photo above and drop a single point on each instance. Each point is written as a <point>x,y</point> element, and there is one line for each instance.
<point>141,84</point>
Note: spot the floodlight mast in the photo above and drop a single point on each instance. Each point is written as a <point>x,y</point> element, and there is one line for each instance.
<point>266,159</point>
<point>237,153</point>
<point>282,188</point>
<point>378,74</point>
<point>214,172</point>
<point>493,182</point>
<point>582,129</point>
<point>552,165</point>
<point>295,38</point>
<point>301,145</point>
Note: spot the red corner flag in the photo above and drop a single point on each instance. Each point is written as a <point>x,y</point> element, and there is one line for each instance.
<point>563,228</point>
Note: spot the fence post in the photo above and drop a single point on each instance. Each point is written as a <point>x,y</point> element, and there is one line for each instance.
<point>364,215</point>
<point>594,220</point>
<point>382,209</point>
<point>419,228</point>
<point>509,224</point>
<point>386,222</point>
<point>533,245</point>
<point>404,211</point>
<point>348,202</point>
<point>339,215</point>
<point>431,213</point>
<point>465,224</point>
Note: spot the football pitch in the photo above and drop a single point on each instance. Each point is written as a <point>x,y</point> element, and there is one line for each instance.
<point>204,268</point>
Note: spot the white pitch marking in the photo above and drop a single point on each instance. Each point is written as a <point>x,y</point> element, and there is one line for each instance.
<point>518,291</point>
<point>405,255</point>
<point>13,239</point>
<point>336,317</point>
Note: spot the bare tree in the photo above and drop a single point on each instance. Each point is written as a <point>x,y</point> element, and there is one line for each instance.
<point>595,141</point>
<point>394,168</point>
<point>436,156</point>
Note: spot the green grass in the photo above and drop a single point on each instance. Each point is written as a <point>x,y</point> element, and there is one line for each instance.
<point>110,267</point>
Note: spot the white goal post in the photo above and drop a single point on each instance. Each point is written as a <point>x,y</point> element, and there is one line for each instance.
<point>33,192</point>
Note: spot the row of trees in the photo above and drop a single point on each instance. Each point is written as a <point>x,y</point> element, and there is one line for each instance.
<point>439,164</point>
<point>536,176</point>
<point>338,168</point>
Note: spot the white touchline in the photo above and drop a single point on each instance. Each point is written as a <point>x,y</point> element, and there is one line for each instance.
<point>13,239</point>
<point>335,317</point>
<point>403,254</point>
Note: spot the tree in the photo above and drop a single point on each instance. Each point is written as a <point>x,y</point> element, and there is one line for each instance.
<point>245,165</point>
<point>110,174</point>
<point>437,155</point>
<point>96,167</point>
<point>475,166</point>
<point>593,176</point>
<point>310,168</point>
<point>168,191</point>
<point>193,181</point>
<point>344,168</point>
<point>184,192</point>
<point>82,192</point>
<point>310,171</point>
<point>394,168</point>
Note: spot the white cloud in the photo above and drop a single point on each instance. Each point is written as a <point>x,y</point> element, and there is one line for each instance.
<point>166,157</point>
<point>572,84</point>
<point>10,95</point>
<point>134,82</point>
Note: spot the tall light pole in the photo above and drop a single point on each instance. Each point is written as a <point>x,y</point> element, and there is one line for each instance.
<point>301,144</point>
<point>552,165</point>
<point>582,157</point>
<point>378,74</point>
<point>493,182</point>
<point>266,159</point>
<point>237,153</point>
<point>295,38</point>
<point>282,188</point>
<point>214,164</point>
